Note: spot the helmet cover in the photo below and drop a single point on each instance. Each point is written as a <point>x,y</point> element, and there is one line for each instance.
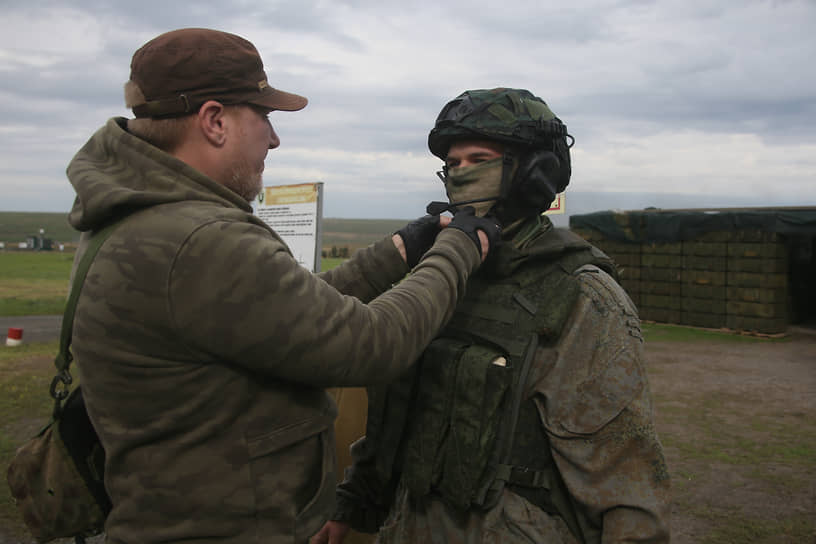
<point>530,129</point>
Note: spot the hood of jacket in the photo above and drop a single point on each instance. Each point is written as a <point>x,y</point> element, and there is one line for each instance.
<point>116,173</point>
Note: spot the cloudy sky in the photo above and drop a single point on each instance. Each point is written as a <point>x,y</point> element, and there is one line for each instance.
<point>671,103</point>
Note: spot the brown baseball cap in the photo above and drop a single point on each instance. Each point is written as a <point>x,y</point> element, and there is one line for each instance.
<point>180,70</point>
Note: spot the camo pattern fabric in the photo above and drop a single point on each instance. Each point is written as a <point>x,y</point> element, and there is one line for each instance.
<point>204,348</point>
<point>592,399</point>
<point>49,491</point>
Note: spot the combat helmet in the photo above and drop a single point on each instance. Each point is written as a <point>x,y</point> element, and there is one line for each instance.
<point>537,158</point>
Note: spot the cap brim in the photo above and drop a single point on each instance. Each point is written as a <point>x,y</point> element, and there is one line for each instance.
<point>280,100</point>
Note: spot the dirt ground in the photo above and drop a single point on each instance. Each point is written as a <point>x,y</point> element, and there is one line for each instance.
<point>738,423</point>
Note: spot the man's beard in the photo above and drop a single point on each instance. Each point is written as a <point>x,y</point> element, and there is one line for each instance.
<point>246,181</point>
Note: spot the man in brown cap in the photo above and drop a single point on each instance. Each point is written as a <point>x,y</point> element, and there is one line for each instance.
<point>176,74</point>
<point>204,347</point>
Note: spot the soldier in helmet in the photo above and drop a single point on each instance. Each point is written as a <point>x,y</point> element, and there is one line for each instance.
<point>528,418</point>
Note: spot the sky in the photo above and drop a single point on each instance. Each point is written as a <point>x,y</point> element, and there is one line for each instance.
<point>673,104</point>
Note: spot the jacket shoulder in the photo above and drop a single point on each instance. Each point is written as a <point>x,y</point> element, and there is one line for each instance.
<point>596,368</point>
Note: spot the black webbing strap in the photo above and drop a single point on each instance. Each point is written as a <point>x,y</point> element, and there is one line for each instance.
<point>504,447</point>
<point>64,357</point>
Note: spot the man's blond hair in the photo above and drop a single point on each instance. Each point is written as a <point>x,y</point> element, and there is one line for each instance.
<point>166,134</point>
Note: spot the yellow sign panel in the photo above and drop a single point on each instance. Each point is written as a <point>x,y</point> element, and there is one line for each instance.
<point>304,193</point>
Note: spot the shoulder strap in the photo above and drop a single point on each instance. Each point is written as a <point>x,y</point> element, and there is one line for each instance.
<point>64,357</point>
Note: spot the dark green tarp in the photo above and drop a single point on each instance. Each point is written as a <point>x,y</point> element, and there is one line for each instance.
<point>676,225</point>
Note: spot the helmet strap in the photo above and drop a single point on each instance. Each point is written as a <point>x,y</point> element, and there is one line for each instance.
<point>508,173</point>
<point>508,161</point>
<point>436,207</point>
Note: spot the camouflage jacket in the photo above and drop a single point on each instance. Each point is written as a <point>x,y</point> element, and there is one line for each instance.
<point>591,396</point>
<point>204,348</point>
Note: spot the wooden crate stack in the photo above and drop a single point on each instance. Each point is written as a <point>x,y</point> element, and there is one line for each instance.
<point>758,290</point>
<point>627,257</point>
<point>736,280</point>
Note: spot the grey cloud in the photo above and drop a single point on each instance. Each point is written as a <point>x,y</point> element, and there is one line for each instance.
<point>630,67</point>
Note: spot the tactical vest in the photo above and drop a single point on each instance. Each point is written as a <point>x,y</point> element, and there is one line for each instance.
<point>473,428</point>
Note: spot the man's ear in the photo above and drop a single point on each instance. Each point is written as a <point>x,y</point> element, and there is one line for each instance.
<point>211,122</point>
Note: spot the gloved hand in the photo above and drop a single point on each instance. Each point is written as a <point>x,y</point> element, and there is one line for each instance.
<point>466,221</point>
<point>418,236</point>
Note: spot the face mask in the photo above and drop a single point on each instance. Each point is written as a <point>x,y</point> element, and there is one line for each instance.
<point>481,180</point>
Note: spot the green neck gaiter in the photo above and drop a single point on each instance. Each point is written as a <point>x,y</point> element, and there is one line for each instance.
<point>481,180</point>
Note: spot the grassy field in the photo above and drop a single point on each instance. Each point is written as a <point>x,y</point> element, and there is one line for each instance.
<point>17,226</point>
<point>36,283</point>
<point>352,233</point>
<point>25,372</point>
<point>740,437</point>
<point>737,421</point>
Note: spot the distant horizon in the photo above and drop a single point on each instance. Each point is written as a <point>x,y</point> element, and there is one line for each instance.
<point>577,203</point>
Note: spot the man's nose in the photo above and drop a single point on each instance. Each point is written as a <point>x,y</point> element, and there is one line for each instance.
<point>274,141</point>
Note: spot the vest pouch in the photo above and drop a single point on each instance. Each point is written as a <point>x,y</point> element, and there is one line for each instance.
<point>422,465</point>
<point>482,386</point>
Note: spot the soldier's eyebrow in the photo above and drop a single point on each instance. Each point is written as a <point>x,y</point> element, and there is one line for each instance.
<point>483,155</point>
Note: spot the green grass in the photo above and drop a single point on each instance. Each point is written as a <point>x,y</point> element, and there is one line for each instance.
<point>678,333</point>
<point>35,265</point>
<point>12,307</point>
<point>26,407</point>
<point>9,356</point>
<point>733,528</point>
<point>330,262</point>
<point>17,226</point>
<point>34,283</point>
<point>724,419</point>
<point>372,227</point>
<point>357,233</point>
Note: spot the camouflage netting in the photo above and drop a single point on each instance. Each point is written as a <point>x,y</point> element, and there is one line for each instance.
<point>741,269</point>
<point>677,225</point>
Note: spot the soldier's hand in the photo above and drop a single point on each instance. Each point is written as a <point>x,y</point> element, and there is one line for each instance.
<point>484,231</point>
<point>417,237</point>
<point>333,532</point>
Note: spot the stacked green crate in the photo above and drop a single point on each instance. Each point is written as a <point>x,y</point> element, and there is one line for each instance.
<point>705,265</point>
<point>757,293</point>
<point>661,274</point>
<point>626,257</point>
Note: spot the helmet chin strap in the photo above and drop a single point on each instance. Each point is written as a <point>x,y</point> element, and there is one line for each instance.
<point>436,207</point>
<point>507,172</point>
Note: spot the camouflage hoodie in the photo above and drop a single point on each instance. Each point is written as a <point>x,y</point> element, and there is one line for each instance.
<point>204,348</point>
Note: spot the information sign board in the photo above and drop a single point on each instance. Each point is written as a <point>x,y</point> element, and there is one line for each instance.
<point>295,212</point>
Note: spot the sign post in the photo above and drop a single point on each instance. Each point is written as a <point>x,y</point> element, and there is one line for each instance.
<point>295,212</point>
